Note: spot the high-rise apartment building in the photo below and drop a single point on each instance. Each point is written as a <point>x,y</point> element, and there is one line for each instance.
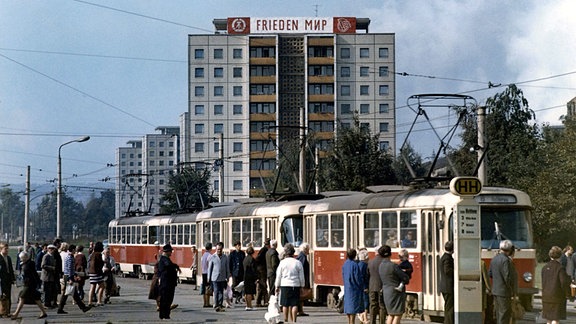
<point>143,170</point>
<point>263,82</point>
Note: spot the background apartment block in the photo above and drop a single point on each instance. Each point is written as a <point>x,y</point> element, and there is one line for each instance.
<point>259,91</point>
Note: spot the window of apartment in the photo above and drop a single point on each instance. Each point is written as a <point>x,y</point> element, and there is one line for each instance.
<point>384,127</point>
<point>262,52</point>
<point>216,147</point>
<point>161,163</point>
<point>171,153</point>
<point>198,147</point>
<point>383,52</point>
<point>364,52</point>
<point>198,53</point>
<point>364,71</point>
<point>263,108</point>
<point>170,163</point>
<point>199,128</point>
<point>199,110</point>
<point>345,109</point>
<point>383,71</point>
<point>218,72</point>
<point>218,128</point>
<point>237,128</point>
<point>320,51</point>
<point>237,53</point>
<point>384,145</point>
<point>345,71</point>
<point>318,89</point>
<point>152,144</point>
<point>364,108</point>
<point>237,185</point>
<point>160,153</point>
<point>237,91</point>
<point>262,164</point>
<point>364,90</point>
<point>216,185</point>
<point>160,144</point>
<point>199,72</point>
<point>152,154</point>
<point>218,91</point>
<point>218,109</point>
<point>237,72</point>
<point>199,91</point>
<point>237,147</point>
<point>321,126</point>
<point>262,126</point>
<point>259,146</point>
<point>365,126</point>
<point>345,52</point>
<point>321,107</point>
<point>262,89</point>
<point>170,144</point>
<point>345,90</point>
<point>384,108</point>
<point>218,53</point>
<point>237,166</point>
<point>237,109</point>
<point>262,70</point>
<point>321,70</point>
<point>383,90</point>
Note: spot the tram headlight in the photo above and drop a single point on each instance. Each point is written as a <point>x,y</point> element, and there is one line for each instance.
<point>527,276</point>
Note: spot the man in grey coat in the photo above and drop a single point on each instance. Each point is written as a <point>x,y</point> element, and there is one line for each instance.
<point>218,275</point>
<point>504,281</point>
<point>377,307</point>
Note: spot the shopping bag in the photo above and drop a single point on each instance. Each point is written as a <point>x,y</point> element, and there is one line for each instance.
<point>69,290</point>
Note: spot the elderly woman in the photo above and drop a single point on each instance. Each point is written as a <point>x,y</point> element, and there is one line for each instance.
<point>391,275</point>
<point>289,279</point>
<point>363,260</point>
<point>353,287</point>
<point>29,294</point>
<point>250,276</point>
<point>555,288</point>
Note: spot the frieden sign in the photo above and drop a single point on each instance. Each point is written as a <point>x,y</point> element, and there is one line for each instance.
<point>294,25</point>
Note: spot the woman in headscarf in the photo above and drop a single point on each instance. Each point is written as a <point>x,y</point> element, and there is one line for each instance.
<point>31,281</point>
<point>391,276</point>
<point>555,288</point>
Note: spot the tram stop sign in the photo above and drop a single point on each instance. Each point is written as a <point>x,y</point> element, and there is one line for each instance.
<point>465,186</point>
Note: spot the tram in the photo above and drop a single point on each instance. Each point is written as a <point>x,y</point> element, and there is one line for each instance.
<point>420,221</point>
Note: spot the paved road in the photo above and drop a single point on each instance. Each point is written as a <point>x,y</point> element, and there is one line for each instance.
<point>132,306</point>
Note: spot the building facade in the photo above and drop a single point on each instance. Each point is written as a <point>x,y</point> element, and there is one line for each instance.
<point>143,169</point>
<point>262,83</point>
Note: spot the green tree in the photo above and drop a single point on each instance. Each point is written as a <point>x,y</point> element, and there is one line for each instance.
<point>403,175</point>
<point>512,137</point>
<point>45,218</point>
<point>189,189</point>
<point>12,213</point>
<point>355,162</point>
<point>98,213</point>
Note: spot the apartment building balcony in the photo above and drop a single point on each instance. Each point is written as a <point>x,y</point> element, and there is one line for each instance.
<point>320,60</point>
<point>262,117</point>
<point>263,154</point>
<point>263,98</point>
<point>320,41</point>
<point>321,117</point>
<point>263,79</point>
<point>321,98</point>
<point>321,79</point>
<point>263,61</point>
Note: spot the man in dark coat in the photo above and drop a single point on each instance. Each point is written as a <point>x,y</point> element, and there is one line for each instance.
<point>236,260</point>
<point>168,279</point>
<point>303,258</point>
<point>261,285</point>
<point>272,262</point>
<point>504,285</point>
<point>7,278</point>
<point>377,307</point>
<point>447,282</point>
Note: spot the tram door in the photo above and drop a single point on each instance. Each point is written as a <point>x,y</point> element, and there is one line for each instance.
<point>271,229</point>
<point>432,250</point>
<point>225,235</point>
<point>352,231</point>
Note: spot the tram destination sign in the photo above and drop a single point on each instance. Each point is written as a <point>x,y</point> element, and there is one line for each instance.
<point>465,186</point>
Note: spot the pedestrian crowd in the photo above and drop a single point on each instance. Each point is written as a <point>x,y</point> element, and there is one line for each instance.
<point>49,273</point>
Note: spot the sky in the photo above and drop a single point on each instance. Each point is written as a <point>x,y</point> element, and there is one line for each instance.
<point>116,70</point>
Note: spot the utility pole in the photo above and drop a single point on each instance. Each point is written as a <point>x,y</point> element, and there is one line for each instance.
<point>482,146</point>
<point>27,206</point>
<point>302,164</point>
<point>221,186</point>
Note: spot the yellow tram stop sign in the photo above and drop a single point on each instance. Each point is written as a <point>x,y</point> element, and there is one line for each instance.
<point>465,186</point>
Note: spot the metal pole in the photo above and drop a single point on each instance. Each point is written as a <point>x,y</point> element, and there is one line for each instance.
<point>482,146</point>
<point>27,206</point>
<point>302,169</point>
<point>221,175</point>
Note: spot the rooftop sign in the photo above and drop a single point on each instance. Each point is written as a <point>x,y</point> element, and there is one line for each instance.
<point>294,25</point>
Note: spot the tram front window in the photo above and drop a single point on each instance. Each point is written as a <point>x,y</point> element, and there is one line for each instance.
<point>506,224</point>
<point>292,231</point>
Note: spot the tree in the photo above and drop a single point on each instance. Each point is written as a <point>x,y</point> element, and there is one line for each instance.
<point>401,170</point>
<point>97,214</point>
<point>355,162</point>
<point>12,213</point>
<point>512,138</point>
<point>189,189</point>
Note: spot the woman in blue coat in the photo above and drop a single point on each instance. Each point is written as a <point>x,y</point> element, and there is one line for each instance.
<point>353,287</point>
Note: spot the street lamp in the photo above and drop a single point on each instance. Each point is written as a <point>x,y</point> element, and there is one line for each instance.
<point>59,192</point>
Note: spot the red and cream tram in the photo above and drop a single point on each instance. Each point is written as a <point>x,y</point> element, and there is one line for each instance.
<point>420,221</point>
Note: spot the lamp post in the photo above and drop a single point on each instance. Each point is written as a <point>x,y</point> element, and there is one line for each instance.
<point>59,192</point>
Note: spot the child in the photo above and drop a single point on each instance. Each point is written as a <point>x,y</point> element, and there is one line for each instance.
<point>406,266</point>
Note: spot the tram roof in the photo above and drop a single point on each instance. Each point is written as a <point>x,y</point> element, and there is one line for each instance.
<point>254,209</point>
<point>434,197</point>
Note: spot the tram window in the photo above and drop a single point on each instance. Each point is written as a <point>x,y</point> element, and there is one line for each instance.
<point>215,232</point>
<point>137,239</point>
<point>371,232</point>
<point>206,233</point>
<point>500,224</point>
<point>161,238</point>
<point>122,234</point>
<point>322,230</point>
<point>337,227</point>
<point>408,226</point>
<point>153,234</point>
<point>180,235</point>
<point>291,231</point>
<point>186,234</point>
<point>390,228</point>
<point>257,235</point>
<point>236,231</point>
<point>246,232</point>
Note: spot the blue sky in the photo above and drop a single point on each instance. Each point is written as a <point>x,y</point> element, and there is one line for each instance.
<point>114,70</point>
